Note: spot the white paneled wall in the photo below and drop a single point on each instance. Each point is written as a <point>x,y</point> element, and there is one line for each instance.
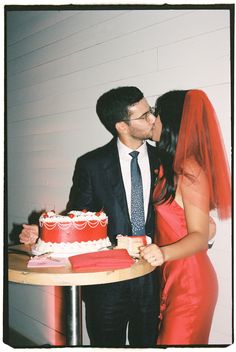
<point>58,64</point>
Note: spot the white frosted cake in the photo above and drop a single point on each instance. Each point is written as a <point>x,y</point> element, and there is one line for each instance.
<point>75,233</point>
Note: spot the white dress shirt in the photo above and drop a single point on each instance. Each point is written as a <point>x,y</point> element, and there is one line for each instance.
<point>143,161</point>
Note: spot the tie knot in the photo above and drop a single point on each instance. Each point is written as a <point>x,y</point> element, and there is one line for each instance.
<point>134,154</point>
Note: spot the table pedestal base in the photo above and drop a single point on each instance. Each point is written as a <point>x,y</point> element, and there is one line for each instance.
<point>71,281</point>
<point>73,306</point>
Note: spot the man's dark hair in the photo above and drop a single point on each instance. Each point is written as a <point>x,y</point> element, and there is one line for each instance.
<point>113,105</point>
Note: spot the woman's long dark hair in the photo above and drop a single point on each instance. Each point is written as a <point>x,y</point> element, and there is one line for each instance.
<point>169,107</point>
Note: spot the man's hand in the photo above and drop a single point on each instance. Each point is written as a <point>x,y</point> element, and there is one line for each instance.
<point>29,234</point>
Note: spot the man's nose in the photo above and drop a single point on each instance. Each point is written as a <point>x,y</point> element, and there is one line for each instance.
<point>152,119</point>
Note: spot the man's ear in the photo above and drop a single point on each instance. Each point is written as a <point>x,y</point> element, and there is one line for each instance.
<point>121,127</point>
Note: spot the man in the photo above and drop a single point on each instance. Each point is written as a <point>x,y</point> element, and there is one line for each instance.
<point>102,179</point>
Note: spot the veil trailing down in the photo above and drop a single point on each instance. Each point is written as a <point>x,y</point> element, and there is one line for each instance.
<point>200,139</point>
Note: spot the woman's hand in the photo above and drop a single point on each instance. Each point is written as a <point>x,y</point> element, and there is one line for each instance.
<point>29,234</point>
<point>153,254</point>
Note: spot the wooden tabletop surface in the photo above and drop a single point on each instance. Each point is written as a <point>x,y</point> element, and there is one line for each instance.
<point>65,276</point>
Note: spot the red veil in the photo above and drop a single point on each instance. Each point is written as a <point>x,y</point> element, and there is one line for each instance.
<point>200,139</point>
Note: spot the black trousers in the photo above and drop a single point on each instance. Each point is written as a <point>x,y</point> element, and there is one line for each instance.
<point>111,308</point>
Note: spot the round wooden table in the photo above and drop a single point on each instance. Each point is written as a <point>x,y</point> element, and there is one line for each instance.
<point>72,282</point>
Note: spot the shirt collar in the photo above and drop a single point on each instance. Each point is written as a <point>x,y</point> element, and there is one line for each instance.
<point>124,150</point>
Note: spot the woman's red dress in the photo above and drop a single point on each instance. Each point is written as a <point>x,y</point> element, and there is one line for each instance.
<point>189,285</point>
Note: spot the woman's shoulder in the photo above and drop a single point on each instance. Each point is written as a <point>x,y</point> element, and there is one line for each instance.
<point>191,166</point>
<point>193,175</point>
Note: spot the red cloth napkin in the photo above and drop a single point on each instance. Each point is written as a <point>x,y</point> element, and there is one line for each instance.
<point>102,261</point>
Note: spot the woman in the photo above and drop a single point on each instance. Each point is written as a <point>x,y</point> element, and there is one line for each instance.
<point>192,179</point>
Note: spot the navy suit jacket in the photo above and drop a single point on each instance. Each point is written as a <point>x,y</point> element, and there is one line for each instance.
<point>98,184</point>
